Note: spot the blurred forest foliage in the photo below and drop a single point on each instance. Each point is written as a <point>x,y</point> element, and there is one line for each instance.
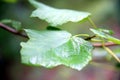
<point>105,13</point>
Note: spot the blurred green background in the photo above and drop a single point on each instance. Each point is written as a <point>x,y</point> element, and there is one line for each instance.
<point>105,13</point>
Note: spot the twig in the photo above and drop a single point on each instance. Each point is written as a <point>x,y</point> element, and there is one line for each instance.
<point>12,30</point>
<point>106,44</point>
<point>111,53</point>
<point>100,44</point>
<point>92,23</point>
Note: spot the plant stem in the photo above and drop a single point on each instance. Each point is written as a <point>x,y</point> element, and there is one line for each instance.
<point>81,35</point>
<point>106,44</point>
<point>12,30</point>
<point>96,40</point>
<point>111,53</point>
<point>92,23</point>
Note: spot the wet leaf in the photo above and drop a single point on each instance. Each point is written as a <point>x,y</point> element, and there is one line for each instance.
<point>56,17</point>
<point>52,48</point>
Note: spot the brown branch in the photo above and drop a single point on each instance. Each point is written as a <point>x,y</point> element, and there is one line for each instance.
<point>12,30</point>
<point>100,44</point>
<point>106,44</point>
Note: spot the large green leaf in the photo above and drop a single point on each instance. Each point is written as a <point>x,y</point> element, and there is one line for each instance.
<point>51,48</point>
<point>105,34</point>
<point>55,16</point>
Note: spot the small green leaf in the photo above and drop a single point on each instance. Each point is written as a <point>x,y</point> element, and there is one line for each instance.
<point>15,24</point>
<point>56,17</point>
<point>102,33</point>
<point>52,48</point>
<point>106,31</point>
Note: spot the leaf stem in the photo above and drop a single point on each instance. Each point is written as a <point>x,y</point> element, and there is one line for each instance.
<point>96,40</point>
<point>111,53</point>
<point>92,23</point>
<point>81,35</point>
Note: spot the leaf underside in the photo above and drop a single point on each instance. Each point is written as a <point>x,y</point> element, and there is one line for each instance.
<point>52,48</point>
<point>103,34</point>
<point>56,17</point>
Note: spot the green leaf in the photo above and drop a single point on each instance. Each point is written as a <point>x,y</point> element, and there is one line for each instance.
<point>15,24</point>
<point>102,33</point>
<point>106,31</point>
<point>56,17</point>
<point>52,48</point>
